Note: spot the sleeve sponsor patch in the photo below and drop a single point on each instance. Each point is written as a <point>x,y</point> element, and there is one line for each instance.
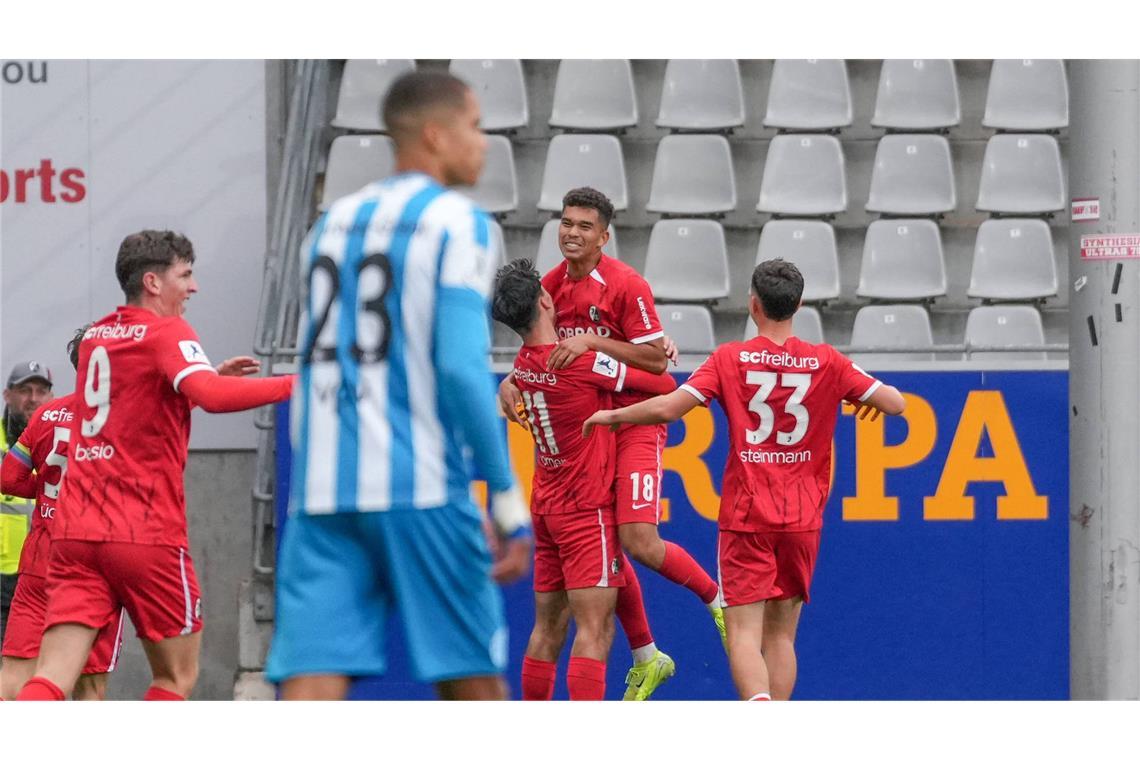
<point>605,365</point>
<point>192,352</point>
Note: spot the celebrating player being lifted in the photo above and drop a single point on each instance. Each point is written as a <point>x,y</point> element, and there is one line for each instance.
<point>604,305</point>
<point>781,396</point>
<point>577,555</point>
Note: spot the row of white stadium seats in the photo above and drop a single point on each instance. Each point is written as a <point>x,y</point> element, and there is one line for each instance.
<point>988,330</point>
<point>804,174</point>
<point>706,95</point>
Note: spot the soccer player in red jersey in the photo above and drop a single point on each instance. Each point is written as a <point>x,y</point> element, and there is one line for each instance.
<point>120,536</point>
<point>604,305</point>
<point>781,396</point>
<point>577,551</point>
<point>35,469</point>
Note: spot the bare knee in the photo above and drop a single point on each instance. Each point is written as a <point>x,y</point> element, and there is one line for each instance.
<point>548,637</point>
<point>91,687</point>
<point>641,541</point>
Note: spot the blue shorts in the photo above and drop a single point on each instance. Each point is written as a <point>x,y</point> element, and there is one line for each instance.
<point>340,576</point>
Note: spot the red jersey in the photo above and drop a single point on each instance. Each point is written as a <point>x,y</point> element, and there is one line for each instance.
<point>574,473</point>
<point>613,301</point>
<point>43,448</point>
<point>131,431</point>
<point>782,405</point>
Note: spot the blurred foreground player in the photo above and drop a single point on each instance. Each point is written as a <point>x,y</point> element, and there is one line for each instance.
<point>120,537</point>
<point>395,388</point>
<point>35,469</point>
<point>781,396</point>
<point>577,560</point>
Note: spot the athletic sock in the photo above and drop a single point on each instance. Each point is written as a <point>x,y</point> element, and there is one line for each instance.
<point>644,654</point>
<point>40,690</point>
<point>631,608</point>
<point>155,694</point>
<point>586,679</point>
<point>679,567</point>
<point>538,679</point>
<point>762,696</point>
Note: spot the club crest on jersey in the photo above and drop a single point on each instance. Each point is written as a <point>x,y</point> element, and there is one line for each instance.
<point>615,566</point>
<point>595,315</point>
<point>605,365</point>
<point>192,352</point>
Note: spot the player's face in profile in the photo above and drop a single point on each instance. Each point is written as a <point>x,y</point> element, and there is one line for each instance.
<point>176,286</point>
<point>464,146</point>
<point>581,234</point>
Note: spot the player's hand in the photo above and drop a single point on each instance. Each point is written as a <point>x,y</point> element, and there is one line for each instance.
<point>239,366</point>
<point>568,350</point>
<point>671,352</point>
<point>598,418</point>
<point>861,411</point>
<point>514,562</point>
<point>510,400</point>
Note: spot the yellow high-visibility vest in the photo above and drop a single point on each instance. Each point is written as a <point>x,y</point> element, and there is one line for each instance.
<point>14,521</point>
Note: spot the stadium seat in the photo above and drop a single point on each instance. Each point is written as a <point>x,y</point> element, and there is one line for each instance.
<point>913,175</point>
<point>687,260</point>
<point>549,256</point>
<point>809,94</point>
<point>902,259</point>
<point>594,95</point>
<point>701,94</point>
<point>810,245</point>
<point>583,161</point>
<point>500,243</point>
<point>692,175</point>
<point>806,325</point>
<point>1013,260</point>
<point>500,88</point>
<point>497,190</point>
<point>990,327</point>
<point>803,176</point>
<point>362,88</point>
<point>1021,174</point>
<point>354,161</point>
<point>902,325</point>
<point>1026,95</point>
<point>917,95</point>
<point>690,326</point>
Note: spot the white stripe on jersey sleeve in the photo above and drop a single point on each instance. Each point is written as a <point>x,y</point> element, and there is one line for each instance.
<point>874,387</point>
<point>647,338</point>
<point>190,371</point>
<point>694,393</point>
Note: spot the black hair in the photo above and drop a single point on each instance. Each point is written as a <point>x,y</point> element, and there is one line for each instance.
<point>73,344</point>
<point>412,93</point>
<point>518,287</point>
<point>779,286</point>
<point>588,197</point>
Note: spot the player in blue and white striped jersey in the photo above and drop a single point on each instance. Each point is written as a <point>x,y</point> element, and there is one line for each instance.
<point>394,401</point>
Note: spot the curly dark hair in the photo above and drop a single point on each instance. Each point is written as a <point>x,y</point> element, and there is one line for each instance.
<point>779,286</point>
<point>518,287</point>
<point>149,251</point>
<point>73,344</point>
<point>588,197</point>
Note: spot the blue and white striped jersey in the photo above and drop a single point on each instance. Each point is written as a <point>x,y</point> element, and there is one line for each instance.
<point>395,393</point>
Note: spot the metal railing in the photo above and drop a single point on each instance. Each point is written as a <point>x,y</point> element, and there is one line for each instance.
<point>279,306</point>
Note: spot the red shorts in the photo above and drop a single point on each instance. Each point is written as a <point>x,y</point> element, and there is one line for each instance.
<point>638,477</point>
<point>756,567</point>
<point>576,550</point>
<point>89,581</point>
<point>26,628</point>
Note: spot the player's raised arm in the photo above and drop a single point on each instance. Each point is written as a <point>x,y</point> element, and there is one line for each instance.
<point>654,411</point>
<point>218,394</point>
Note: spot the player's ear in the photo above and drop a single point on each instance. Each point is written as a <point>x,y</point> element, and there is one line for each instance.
<point>151,283</point>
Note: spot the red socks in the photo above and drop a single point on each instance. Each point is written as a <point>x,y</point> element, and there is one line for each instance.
<point>631,609</point>
<point>586,679</point>
<point>41,690</point>
<point>682,569</point>
<point>538,679</point>
<point>155,694</point>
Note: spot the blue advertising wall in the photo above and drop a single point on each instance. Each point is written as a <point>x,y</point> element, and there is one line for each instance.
<point>943,568</point>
